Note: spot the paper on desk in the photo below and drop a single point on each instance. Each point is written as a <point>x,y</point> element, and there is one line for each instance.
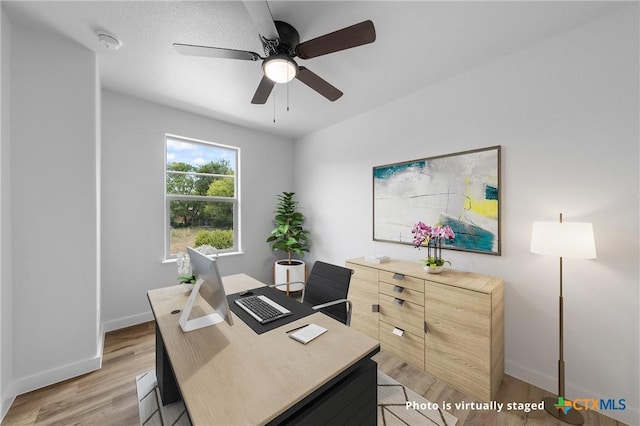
<point>308,333</point>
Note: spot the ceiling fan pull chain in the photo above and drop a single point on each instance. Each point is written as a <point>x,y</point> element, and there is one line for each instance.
<point>274,107</point>
<point>288,94</point>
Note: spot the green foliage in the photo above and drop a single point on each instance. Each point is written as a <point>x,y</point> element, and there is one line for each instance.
<point>186,279</point>
<point>220,213</point>
<point>289,235</point>
<point>218,238</point>
<point>203,183</point>
<point>192,180</point>
<point>434,262</point>
<point>221,187</point>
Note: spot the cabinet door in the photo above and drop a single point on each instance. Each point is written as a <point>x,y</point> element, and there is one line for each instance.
<point>363,294</point>
<point>457,342</point>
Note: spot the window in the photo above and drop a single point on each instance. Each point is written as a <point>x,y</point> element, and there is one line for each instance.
<point>202,199</point>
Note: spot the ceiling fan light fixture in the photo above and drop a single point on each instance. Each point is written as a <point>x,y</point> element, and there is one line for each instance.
<point>280,68</point>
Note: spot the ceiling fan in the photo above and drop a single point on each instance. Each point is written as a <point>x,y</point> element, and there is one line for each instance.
<point>281,43</point>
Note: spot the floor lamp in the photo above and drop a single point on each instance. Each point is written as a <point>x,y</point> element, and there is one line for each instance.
<point>563,239</point>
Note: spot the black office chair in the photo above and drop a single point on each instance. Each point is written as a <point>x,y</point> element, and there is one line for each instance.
<point>326,290</point>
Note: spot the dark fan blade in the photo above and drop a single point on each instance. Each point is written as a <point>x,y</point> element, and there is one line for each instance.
<point>263,91</point>
<point>261,16</point>
<point>318,84</point>
<point>346,38</point>
<point>215,52</point>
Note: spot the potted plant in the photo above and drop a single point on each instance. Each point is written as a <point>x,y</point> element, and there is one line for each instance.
<point>289,236</point>
<point>432,237</point>
<point>185,274</point>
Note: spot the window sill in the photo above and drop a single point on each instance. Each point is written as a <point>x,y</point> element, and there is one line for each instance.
<point>228,254</point>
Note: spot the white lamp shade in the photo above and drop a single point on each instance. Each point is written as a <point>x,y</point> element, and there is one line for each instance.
<point>280,69</point>
<point>563,239</point>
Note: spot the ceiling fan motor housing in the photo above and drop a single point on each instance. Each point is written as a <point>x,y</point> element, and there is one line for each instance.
<point>289,39</point>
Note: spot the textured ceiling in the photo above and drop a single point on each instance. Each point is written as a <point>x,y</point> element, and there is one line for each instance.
<point>418,44</point>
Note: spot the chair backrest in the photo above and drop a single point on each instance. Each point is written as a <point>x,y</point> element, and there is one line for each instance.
<point>327,283</point>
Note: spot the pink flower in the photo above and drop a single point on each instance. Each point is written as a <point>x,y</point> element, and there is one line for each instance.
<point>444,232</point>
<point>421,233</point>
<point>448,233</point>
<point>424,233</point>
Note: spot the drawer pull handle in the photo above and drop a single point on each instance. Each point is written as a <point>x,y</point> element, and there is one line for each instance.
<point>398,331</point>
<point>426,328</point>
<point>398,289</point>
<point>375,308</point>
<point>397,276</point>
<point>397,301</point>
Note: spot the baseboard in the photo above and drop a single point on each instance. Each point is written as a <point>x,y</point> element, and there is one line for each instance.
<point>58,374</point>
<point>7,401</point>
<point>65,372</point>
<point>533,377</point>
<point>630,415</point>
<point>127,321</point>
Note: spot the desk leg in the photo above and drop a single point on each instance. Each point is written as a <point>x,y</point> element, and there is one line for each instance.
<point>164,373</point>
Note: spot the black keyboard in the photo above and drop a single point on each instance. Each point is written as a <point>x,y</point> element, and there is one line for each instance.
<point>262,308</point>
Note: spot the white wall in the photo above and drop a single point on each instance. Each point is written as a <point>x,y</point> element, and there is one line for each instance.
<point>133,155</point>
<point>7,390</point>
<point>565,112</point>
<point>53,208</point>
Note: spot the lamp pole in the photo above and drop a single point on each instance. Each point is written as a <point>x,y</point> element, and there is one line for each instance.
<point>561,335</point>
<point>551,405</point>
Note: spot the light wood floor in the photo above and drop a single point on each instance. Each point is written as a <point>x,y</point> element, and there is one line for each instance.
<point>511,390</point>
<point>108,396</point>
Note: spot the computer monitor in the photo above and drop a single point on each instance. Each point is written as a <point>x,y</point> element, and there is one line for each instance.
<point>209,286</point>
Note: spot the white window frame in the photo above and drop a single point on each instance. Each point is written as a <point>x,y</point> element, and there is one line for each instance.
<point>235,200</point>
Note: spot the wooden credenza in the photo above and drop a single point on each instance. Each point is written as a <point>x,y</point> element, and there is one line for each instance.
<point>451,324</point>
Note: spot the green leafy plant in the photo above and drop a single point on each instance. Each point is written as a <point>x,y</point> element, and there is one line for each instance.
<point>432,237</point>
<point>289,235</point>
<point>218,238</point>
<point>186,279</point>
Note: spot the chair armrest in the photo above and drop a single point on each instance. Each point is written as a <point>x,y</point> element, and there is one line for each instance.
<point>337,302</point>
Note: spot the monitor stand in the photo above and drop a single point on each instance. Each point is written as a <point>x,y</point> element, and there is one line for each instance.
<point>196,323</point>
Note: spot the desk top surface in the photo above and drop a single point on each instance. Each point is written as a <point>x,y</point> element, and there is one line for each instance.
<point>231,375</point>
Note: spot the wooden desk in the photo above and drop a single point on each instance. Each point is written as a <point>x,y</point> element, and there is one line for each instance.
<point>230,375</point>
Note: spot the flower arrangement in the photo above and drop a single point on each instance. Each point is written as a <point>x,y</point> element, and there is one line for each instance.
<point>432,237</point>
<point>185,275</point>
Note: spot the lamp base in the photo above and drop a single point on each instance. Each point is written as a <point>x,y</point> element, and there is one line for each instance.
<point>572,417</point>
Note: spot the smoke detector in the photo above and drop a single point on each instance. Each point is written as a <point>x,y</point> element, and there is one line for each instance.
<point>109,41</point>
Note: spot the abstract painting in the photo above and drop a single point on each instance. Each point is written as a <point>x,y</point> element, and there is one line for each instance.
<point>461,190</point>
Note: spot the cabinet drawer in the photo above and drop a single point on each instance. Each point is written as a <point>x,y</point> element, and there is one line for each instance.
<point>408,316</point>
<point>402,280</point>
<point>404,293</point>
<point>408,347</point>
